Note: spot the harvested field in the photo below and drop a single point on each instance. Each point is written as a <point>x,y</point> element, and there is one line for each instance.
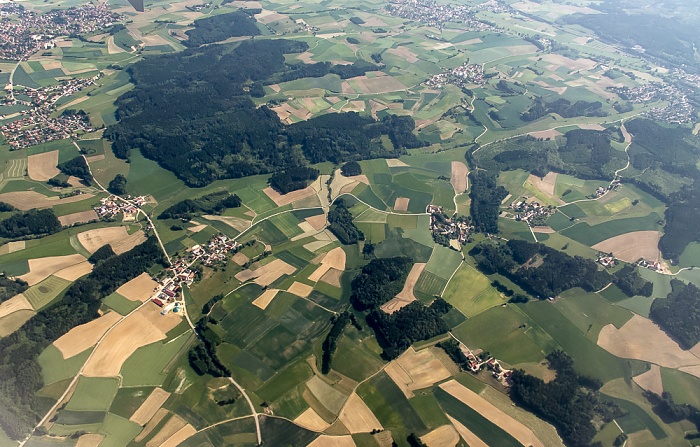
<point>286,199</point>
<point>641,339</point>
<point>458,178</point>
<point>401,204</point>
<point>311,420</point>
<point>138,289</point>
<point>236,223</point>
<point>300,289</point>
<point>42,167</point>
<point>141,328</point>
<point>316,245</point>
<point>544,184</point>
<point>272,272</point>
<point>265,299</point>
<point>543,229</point>
<point>82,337</point>
<point>415,370</point>
<point>516,429</point>
<point>332,277</point>
<point>395,163</point>
<point>172,426</point>
<point>150,406</point>
<point>571,64</point>
<point>14,321</point>
<point>89,440</point>
<point>466,434</point>
<point>382,83</point>
<point>333,441</point>
<point>178,438</point>
<point>333,259</point>
<point>357,417</point>
<point>153,423</point>
<point>25,200</point>
<point>12,247</point>
<point>406,296</point>
<point>14,304</point>
<point>240,259</point>
<point>591,127</point>
<point>692,370</point>
<point>651,380</point>
<point>632,246</point>
<point>546,134</point>
<point>317,222</point>
<point>118,237</point>
<point>42,268</point>
<point>445,436</point>
<point>75,271</point>
<point>81,217</point>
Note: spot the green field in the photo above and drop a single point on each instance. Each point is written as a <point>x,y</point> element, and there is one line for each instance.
<point>55,368</point>
<point>93,394</point>
<point>40,295</point>
<point>592,234</point>
<point>147,366</point>
<point>471,292</point>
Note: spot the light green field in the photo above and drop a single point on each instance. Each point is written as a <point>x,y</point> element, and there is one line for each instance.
<point>471,292</point>
<point>147,366</point>
<point>93,394</point>
<point>118,431</point>
<point>443,262</point>
<point>55,368</point>
<point>40,295</point>
<point>589,312</point>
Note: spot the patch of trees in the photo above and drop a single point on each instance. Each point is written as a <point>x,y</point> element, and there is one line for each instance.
<point>102,254</point>
<point>58,182</point>
<point>357,20</point>
<point>209,305</point>
<point>221,27</point>
<point>564,108</point>
<point>5,207</point>
<point>679,314</point>
<point>486,198</point>
<point>213,130</point>
<point>341,224</point>
<point>379,281</point>
<point>451,348</point>
<point>669,411</point>
<point>351,168</point>
<point>569,402</point>
<point>546,273</point>
<point>353,41</point>
<point>414,441</point>
<point>329,344</point>
<point>293,178</point>
<point>203,357</point>
<point>31,223</point>
<point>77,167</point>
<point>11,287</point>
<point>588,151</point>
<point>681,226</point>
<point>396,332</point>
<point>117,185</point>
<point>214,203</point>
<point>19,406</point>
<point>631,283</point>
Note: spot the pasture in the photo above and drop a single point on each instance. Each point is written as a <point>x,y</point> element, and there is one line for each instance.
<point>471,292</point>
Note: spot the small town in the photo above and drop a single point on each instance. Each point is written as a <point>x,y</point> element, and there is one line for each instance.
<point>432,13</point>
<point>531,211</point>
<point>24,32</point>
<point>679,110</point>
<point>465,75</point>
<point>453,229</point>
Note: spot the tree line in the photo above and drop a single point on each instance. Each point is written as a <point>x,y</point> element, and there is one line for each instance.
<point>679,314</point>
<point>341,224</point>
<point>214,203</point>
<point>31,223</point>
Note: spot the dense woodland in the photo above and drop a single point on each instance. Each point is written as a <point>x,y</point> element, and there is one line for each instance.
<point>351,168</point>
<point>221,27</point>
<point>31,223</point>
<point>379,281</point>
<point>670,412</point>
<point>117,185</point>
<point>20,408</point>
<point>679,313</point>
<point>213,130</point>
<point>293,178</point>
<point>486,198</point>
<point>11,287</point>
<point>540,270</point>
<point>570,402</point>
<point>102,254</point>
<point>214,203</point>
<point>562,107</point>
<point>203,356</point>
<point>631,283</point>
<point>341,224</point>
<point>77,167</point>
<point>681,228</point>
<point>330,343</point>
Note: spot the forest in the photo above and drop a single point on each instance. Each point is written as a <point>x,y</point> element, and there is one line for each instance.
<point>293,178</point>
<point>213,130</point>
<point>20,407</point>
<point>486,198</point>
<point>681,228</point>
<point>31,223</point>
<point>564,108</point>
<point>679,314</point>
<point>203,356</point>
<point>77,167</point>
<point>541,271</point>
<point>631,283</point>
<point>341,224</point>
<point>570,402</point>
<point>11,287</point>
<point>117,185</point>
<point>221,27</point>
<point>379,281</point>
<point>214,203</point>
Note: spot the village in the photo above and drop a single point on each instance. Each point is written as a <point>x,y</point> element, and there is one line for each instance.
<point>456,229</point>
<point>478,360</point>
<point>531,211</point>
<point>432,13</point>
<point>110,207</point>
<point>679,110</point>
<point>465,75</point>
<point>36,125</point>
<point>24,32</point>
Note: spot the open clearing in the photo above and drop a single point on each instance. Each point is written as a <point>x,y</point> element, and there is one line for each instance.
<point>17,302</point>
<point>333,441</point>
<point>401,204</point>
<point>406,296</point>
<point>458,178</point>
<point>89,440</point>
<point>81,217</point>
<point>300,289</point>
<point>471,439</point>
<point>286,199</point>
<point>311,420</point>
<point>42,268</point>
<point>42,167</point>
<point>25,200</point>
<point>265,299</point>
<point>138,289</point>
<point>141,328</point>
<point>74,271</point>
<point>120,240</point>
<point>357,417</point>
<point>651,380</point>
<point>82,337</point>
<point>333,259</point>
<point>445,436</point>
<point>150,406</point>
<point>520,432</point>
<point>641,339</point>
<point>415,370</point>
<point>631,246</point>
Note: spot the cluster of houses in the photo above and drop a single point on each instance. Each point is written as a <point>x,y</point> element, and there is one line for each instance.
<point>531,211</point>
<point>23,32</point>
<point>476,363</point>
<point>435,14</point>
<point>465,75</point>
<point>36,124</point>
<point>215,250</point>
<point>678,108</point>
<point>651,265</point>
<point>110,207</point>
<point>453,229</point>
<point>607,260</point>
